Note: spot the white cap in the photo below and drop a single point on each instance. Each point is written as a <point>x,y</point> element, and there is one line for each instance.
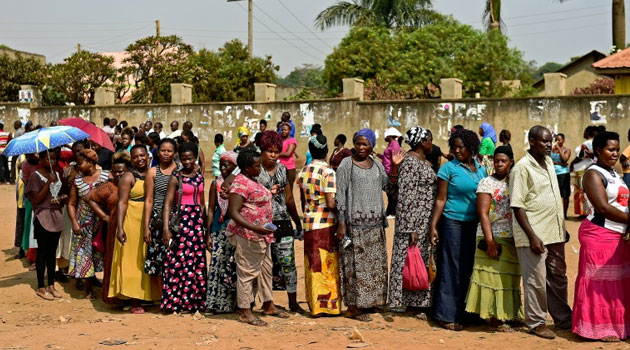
<point>392,132</point>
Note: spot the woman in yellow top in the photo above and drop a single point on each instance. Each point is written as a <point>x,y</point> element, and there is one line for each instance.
<point>128,279</point>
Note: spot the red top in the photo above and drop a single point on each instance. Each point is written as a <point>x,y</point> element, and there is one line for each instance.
<point>257,208</point>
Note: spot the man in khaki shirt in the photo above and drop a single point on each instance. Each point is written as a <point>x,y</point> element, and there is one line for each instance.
<point>539,235</point>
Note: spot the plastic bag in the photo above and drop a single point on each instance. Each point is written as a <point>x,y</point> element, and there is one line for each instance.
<point>415,276</point>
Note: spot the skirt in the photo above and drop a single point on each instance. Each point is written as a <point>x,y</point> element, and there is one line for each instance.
<point>321,271</point>
<point>156,251</point>
<point>495,285</point>
<point>221,295</point>
<point>601,307</point>
<point>283,257</point>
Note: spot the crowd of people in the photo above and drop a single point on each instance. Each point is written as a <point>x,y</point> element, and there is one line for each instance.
<point>490,229</point>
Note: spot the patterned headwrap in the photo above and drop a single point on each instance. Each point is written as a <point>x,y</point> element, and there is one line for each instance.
<point>315,142</point>
<point>416,135</point>
<point>243,130</point>
<point>230,156</point>
<point>368,134</point>
<point>488,131</point>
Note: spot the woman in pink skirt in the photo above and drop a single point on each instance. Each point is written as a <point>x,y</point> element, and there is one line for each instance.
<point>601,308</point>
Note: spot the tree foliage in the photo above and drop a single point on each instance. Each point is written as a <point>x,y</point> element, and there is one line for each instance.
<point>409,62</point>
<point>154,63</point>
<point>548,67</point>
<point>17,71</point>
<point>79,75</point>
<point>308,75</point>
<point>386,13</point>
<point>601,86</point>
<point>228,74</point>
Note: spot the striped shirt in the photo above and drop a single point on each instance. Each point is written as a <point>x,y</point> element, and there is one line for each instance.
<point>536,190</point>
<point>315,180</point>
<point>4,140</point>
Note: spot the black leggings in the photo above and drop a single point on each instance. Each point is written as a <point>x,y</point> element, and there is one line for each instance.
<point>46,253</point>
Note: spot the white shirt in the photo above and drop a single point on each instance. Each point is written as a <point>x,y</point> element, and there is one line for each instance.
<point>175,133</point>
<point>585,162</point>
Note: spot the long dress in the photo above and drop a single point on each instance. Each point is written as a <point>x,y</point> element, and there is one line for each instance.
<point>106,196</point>
<point>495,285</point>
<point>601,307</point>
<point>184,285</point>
<point>416,194</point>
<point>85,261</point>
<point>321,252</point>
<point>128,279</point>
<point>156,251</point>
<point>360,204</point>
<point>221,295</point>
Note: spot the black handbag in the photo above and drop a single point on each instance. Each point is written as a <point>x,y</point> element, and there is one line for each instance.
<point>175,220</point>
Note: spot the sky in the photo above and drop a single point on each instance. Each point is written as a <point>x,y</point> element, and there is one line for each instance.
<point>544,30</point>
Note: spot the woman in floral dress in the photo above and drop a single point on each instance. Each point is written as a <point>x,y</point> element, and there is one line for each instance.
<point>85,261</point>
<point>184,284</point>
<point>416,194</point>
<point>222,272</point>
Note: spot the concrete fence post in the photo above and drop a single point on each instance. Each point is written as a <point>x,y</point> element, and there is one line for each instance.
<point>450,88</point>
<point>353,88</point>
<point>104,96</point>
<point>264,92</point>
<point>555,84</point>
<point>181,93</point>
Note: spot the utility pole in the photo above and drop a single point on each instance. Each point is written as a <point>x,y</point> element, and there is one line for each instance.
<point>78,47</point>
<point>250,28</point>
<point>157,28</point>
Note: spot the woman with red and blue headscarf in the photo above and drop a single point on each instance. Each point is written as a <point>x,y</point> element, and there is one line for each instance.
<point>486,149</point>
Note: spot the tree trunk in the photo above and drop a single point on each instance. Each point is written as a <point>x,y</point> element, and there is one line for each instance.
<point>619,24</point>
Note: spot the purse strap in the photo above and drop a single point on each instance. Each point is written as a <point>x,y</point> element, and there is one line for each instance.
<point>180,192</point>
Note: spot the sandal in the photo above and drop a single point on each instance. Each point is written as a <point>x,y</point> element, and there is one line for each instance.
<point>359,317</point>
<point>91,296</point>
<point>297,309</point>
<point>421,316</point>
<point>610,339</point>
<point>54,293</point>
<point>453,326</point>
<point>138,310</point>
<point>45,296</point>
<point>278,314</point>
<point>255,322</point>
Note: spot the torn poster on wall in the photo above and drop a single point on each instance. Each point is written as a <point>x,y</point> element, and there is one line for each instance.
<point>393,120</point>
<point>308,119</point>
<point>597,116</point>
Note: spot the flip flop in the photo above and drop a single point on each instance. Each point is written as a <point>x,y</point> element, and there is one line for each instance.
<point>278,314</point>
<point>55,294</point>
<point>138,310</point>
<point>451,326</point>
<point>45,296</point>
<point>360,317</point>
<point>255,322</point>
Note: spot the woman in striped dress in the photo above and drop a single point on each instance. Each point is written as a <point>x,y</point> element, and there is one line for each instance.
<point>85,261</point>
<point>155,187</point>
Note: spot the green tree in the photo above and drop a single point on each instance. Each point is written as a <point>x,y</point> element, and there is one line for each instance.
<point>308,75</point>
<point>17,71</point>
<point>548,67</point>
<point>386,13</point>
<point>79,75</point>
<point>412,62</point>
<point>228,74</point>
<point>154,63</point>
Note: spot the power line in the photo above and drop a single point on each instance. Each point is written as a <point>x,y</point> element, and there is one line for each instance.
<point>303,25</point>
<point>560,30</point>
<point>288,30</point>
<point>280,36</point>
<point>561,19</point>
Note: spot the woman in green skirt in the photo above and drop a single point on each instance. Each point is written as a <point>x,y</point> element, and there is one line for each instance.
<point>495,285</point>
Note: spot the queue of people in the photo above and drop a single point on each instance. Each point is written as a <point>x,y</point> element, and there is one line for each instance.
<point>481,223</point>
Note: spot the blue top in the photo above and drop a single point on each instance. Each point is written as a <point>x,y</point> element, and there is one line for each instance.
<point>560,169</point>
<point>461,200</point>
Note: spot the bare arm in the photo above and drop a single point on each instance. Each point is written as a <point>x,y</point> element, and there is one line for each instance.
<point>72,210</point>
<point>166,214</point>
<point>289,152</point>
<point>38,197</point>
<point>291,207</point>
<point>149,187</point>
<point>535,244</point>
<point>565,155</point>
<point>234,208</point>
<point>212,202</point>
<point>124,187</point>
<point>596,193</point>
<point>202,162</point>
<point>438,209</point>
<point>483,209</point>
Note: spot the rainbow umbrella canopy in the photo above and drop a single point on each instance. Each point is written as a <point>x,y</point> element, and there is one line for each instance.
<point>43,139</point>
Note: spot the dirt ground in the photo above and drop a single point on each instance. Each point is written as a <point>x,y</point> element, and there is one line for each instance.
<point>28,322</point>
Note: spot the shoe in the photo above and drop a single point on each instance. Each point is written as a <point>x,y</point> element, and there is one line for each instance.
<point>96,282</point>
<point>61,277</point>
<point>80,285</point>
<point>543,331</point>
<point>566,326</point>
<point>20,255</point>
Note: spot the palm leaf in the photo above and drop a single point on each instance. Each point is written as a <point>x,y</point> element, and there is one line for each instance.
<point>345,13</point>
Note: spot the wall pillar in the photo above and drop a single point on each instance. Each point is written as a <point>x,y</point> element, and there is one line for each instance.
<point>353,88</point>
<point>264,92</point>
<point>181,93</point>
<point>555,84</point>
<point>450,88</point>
<point>104,96</point>
<point>31,94</point>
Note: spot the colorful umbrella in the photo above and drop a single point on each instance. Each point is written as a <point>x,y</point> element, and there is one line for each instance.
<point>97,134</point>
<point>43,139</point>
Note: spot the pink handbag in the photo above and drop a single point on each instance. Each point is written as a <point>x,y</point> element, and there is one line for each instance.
<point>415,277</point>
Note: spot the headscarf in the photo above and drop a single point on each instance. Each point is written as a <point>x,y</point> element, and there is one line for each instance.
<point>505,150</point>
<point>392,131</point>
<point>368,134</point>
<point>243,130</point>
<point>223,203</point>
<point>416,135</point>
<point>315,142</point>
<point>90,155</point>
<point>488,131</point>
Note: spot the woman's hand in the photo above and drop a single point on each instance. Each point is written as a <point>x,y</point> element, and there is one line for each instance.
<point>147,235</point>
<point>166,237</point>
<point>105,218</point>
<point>413,239</point>
<point>493,249</point>
<point>399,156</point>
<point>76,229</point>
<point>208,241</point>
<point>262,230</point>
<point>433,236</point>
<point>122,237</point>
<point>275,189</point>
